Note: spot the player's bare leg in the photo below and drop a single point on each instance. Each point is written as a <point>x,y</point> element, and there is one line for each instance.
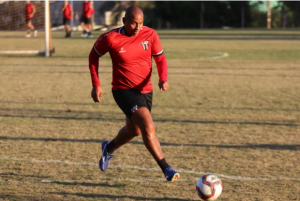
<point>68,30</point>
<point>143,119</point>
<point>127,133</point>
<point>89,30</point>
<point>84,29</point>
<point>29,28</point>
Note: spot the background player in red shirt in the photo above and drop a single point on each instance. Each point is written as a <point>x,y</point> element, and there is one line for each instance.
<point>67,11</point>
<point>87,12</point>
<point>29,13</point>
<point>131,49</point>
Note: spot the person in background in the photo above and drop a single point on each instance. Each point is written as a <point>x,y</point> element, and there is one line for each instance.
<point>85,20</point>
<point>29,13</point>
<point>67,11</point>
<point>131,49</point>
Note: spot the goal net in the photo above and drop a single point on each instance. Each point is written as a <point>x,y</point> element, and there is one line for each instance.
<point>19,38</point>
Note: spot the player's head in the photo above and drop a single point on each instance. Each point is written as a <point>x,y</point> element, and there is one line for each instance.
<point>66,2</point>
<point>28,2</point>
<point>133,20</point>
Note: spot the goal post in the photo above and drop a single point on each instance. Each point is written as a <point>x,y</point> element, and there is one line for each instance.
<point>13,28</point>
<point>47,28</point>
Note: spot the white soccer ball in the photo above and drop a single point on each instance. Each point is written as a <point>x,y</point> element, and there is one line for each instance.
<point>209,187</point>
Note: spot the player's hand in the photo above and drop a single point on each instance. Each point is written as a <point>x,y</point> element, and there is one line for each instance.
<point>96,94</point>
<point>163,85</point>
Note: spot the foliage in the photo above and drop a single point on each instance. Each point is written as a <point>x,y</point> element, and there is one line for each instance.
<point>216,14</point>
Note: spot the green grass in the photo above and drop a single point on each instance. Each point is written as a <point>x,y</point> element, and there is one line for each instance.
<point>232,116</point>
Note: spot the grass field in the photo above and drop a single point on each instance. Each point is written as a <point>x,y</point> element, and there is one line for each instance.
<point>233,109</point>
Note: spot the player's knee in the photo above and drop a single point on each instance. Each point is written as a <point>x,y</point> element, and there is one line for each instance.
<point>150,130</point>
<point>133,131</point>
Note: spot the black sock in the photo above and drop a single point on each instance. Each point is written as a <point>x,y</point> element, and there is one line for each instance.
<point>162,164</point>
<point>111,147</point>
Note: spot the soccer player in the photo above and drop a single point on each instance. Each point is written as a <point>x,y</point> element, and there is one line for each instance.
<point>29,13</point>
<point>87,12</point>
<point>67,11</point>
<point>131,49</point>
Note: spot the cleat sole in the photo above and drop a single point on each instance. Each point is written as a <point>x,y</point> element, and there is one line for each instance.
<point>175,177</point>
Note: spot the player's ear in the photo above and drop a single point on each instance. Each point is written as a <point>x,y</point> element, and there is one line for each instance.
<point>124,20</point>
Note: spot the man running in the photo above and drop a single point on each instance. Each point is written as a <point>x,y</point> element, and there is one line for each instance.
<point>131,49</point>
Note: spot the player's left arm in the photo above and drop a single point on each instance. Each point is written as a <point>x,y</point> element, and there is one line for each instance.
<point>91,11</point>
<point>72,13</point>
<point>161,62</point>
<point>162,69</point>
<point>33,10</point>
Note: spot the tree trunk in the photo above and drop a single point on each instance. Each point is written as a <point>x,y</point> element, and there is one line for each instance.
<point>269,13</point>
<point>202,15</point>
<point>242,15</point>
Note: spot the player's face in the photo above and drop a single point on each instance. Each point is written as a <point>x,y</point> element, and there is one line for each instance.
<point>133,25</point>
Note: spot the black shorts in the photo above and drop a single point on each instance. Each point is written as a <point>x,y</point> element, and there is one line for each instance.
<point>66,21</point>
<point>130,100</point>
<point>28,20</point>
<point>85,20</point>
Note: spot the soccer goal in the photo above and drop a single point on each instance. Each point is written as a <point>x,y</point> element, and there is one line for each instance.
<point>15,25</point>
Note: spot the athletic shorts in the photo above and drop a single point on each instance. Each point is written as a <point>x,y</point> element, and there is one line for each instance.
<point>85,20</point>
<point>28,20</point>
<point>66,21</point>
<point>130,100</point>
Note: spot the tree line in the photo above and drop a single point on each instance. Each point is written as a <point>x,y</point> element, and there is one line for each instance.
<point>219,14</point>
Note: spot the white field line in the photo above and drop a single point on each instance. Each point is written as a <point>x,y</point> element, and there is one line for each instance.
<point>219,56</point>
<point>150,169</point>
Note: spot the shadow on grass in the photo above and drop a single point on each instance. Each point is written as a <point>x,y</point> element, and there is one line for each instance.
<point>10,175</point>
<point>170,73</point>
<point>225,38</point>
<point>42,56</point>
<point>118,196</point>
<point>198,106</point>
<point>85,66</point>
<point>246,146</point>
<point>87,184</point>
<point>169,66</point>
<point>156,120</point>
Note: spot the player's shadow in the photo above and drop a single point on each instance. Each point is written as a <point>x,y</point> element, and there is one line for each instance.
<point>10,175</point>
<point>118,196</point>
<point>171,73</point>
<point>87,184</point>
<point>198,106</point>
<point>118,119</point>
<point>246,146</point>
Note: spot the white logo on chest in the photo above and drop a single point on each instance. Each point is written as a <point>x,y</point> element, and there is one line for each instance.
<point>145,45</point>
<point>122,50</point>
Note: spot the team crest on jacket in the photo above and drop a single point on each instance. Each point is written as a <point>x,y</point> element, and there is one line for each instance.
<point>145,45</point>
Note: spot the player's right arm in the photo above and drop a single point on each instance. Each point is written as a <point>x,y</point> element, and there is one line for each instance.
<point>99,49</point>
<point>63,8</point>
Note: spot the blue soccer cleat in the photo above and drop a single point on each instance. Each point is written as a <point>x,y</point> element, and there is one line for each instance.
<point>105,157</point>
<point>171,174</point>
